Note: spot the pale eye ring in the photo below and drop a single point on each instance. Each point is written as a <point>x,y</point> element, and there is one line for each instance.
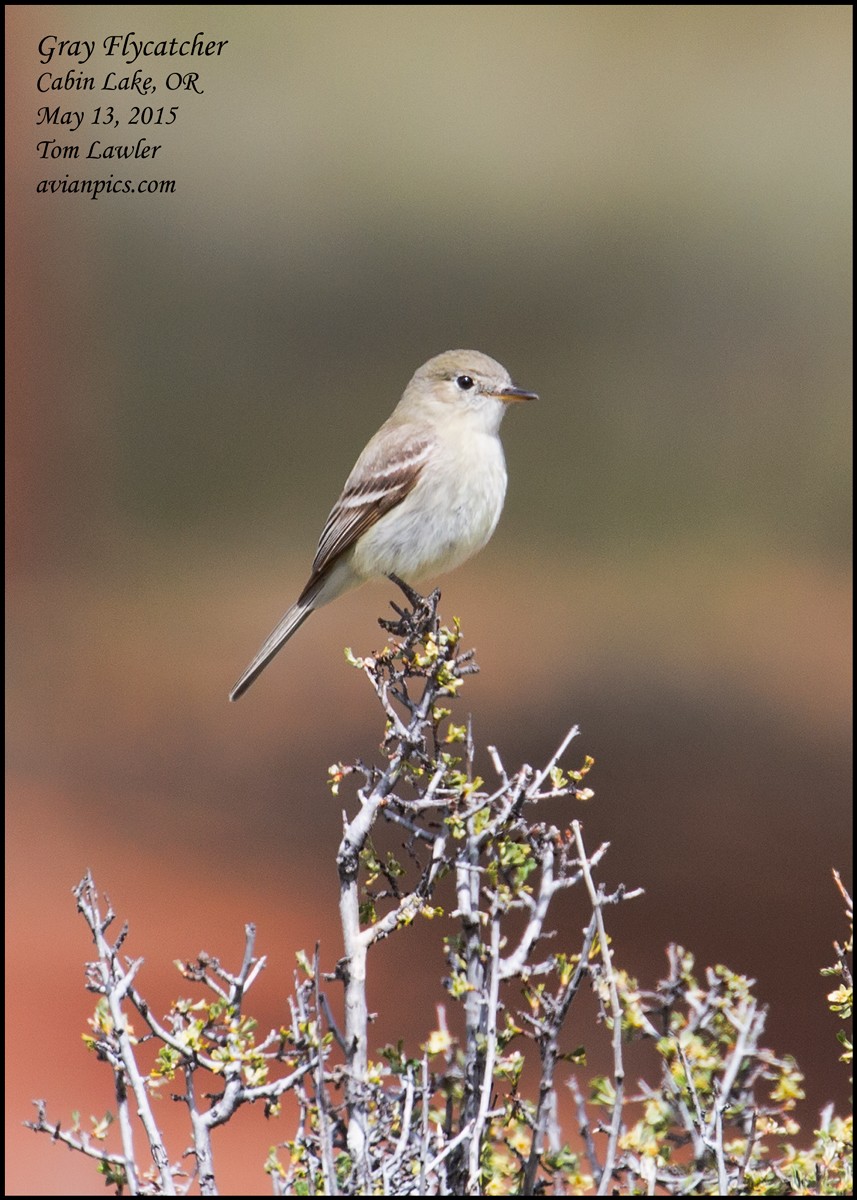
<point>464,382</point>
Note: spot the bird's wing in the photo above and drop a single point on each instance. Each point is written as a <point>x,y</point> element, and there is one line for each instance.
<point>387,470</point>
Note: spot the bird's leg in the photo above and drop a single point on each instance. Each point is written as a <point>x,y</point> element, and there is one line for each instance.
<point>422,617</point>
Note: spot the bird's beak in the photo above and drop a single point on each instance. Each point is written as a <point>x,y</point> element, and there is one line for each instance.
<point>514,395</point>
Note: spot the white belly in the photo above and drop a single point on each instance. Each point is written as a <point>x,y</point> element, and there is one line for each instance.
<point>450,514</point>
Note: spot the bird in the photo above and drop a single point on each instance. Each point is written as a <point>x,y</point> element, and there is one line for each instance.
<point>425,494</point>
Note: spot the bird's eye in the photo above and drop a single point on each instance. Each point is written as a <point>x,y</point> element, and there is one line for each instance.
<point>464,382</point>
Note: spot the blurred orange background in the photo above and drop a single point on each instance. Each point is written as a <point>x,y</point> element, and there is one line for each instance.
<point>644,212</point>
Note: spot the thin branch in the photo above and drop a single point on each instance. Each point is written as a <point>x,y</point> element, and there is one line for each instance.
<point>558,753</point>
<point>81,1144</point>
<point>116,983</point>
<point>490,1053</point>
<point>597,900</point>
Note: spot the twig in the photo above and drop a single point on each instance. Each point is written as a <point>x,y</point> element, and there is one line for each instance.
<point>115,983</point>
<point>585,1128</point>
<point>597,900</point>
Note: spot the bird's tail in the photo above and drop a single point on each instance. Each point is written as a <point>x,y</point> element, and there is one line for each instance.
<point>291,622</point>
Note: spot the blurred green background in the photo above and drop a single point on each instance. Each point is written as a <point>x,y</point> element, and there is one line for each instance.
<point>644,213</point>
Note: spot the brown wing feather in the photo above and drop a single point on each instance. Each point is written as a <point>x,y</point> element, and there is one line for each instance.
<point>383,488</point>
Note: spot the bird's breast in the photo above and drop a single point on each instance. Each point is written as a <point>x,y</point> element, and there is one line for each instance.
<point>450,514</point>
